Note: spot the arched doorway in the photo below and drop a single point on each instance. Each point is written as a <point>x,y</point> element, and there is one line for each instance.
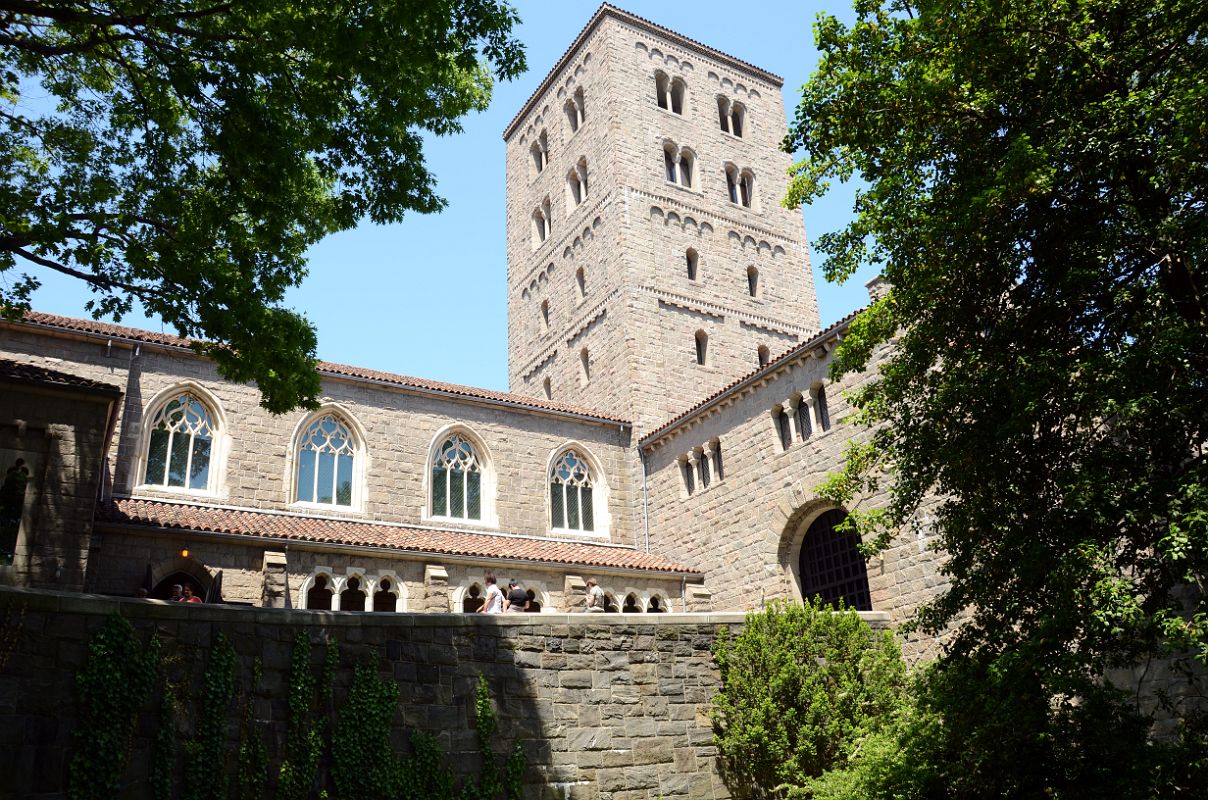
<point>830,565</point>
<point>178,571</point>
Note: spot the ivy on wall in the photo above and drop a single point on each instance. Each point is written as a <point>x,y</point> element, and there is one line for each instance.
<point>349,755</point>
<point>115,682</point>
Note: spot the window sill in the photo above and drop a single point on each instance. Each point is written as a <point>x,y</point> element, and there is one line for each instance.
<point>175,491</point>
<point>682,188</point>
<point>329,508</point>
<point>570,532</point>
<point>732,136</point>
<point>436,521</point>
<point>679,115</point>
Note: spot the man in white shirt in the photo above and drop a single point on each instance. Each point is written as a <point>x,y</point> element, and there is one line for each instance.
<point>494,599</point>
<point>595,596</point>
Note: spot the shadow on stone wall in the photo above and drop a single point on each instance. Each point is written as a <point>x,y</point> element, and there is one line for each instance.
<point>604,706</point>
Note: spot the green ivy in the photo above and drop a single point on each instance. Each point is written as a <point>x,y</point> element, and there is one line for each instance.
<point>112,687</point>
<point>304,739</point>
<point>165,746</point>
<point>492,781</point>
<point>364,765</point>
<point>426,775</point>
<point>205,766</point>
<point>253,755</point>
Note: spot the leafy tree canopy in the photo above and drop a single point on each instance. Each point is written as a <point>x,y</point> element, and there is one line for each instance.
<point>1036,196</point>
<point>185,154</point>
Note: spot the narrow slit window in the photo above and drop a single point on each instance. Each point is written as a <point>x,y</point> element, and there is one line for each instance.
<point>693,259</point>
<point>753,281</point>
<point>702,347</point>
<point>764,356</point>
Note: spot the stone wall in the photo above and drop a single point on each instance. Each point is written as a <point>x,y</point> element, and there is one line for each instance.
<point>605,706</point>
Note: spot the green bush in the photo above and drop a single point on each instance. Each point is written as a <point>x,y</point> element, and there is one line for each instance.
<point>800,685</point>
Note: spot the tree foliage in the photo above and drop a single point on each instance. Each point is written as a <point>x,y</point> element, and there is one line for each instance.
<point>185,154</point>
<point>1036,185</point>
<point>798,686</point>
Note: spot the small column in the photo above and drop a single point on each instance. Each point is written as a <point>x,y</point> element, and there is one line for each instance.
<point>275,572</point>
<point>815,423</point>
<point>794,423</point>
<point>574,590</point>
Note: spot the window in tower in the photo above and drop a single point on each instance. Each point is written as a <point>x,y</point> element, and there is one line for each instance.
<point>669,163</point>
<point>543,317</point>
<point>540,153</point>
<point>723,113</point>
<point>732,183</point>
<point>580,285</point>
<point>753,281</point>
<point>738,115</point>
<point>693,260</point>
<point>746,188</point>
<point>574,110</point>
<point>764,356</point>
<point>686,163</point>
<point>678,90</point>
<point>576,184</point>
<point>547,387</point>
<point>702,347</point>
<point>584,367</point>
<point>662,90</point>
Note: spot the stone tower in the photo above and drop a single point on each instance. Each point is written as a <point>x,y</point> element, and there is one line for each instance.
<point>649,260</point>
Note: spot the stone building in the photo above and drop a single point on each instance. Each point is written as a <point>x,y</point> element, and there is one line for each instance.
<point>669,420</point>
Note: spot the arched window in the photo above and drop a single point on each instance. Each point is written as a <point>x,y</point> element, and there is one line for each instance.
<point>831,566</point>
<point>693,260</point>
<point>540,229</point>
<point>737,119</point>
<point>732,183</point>
<point>753,281</point>
<point>584,367</point>
<point>574,110</point>
<point>385,599</point>
<point>723,113</point>
<point>764,355</point>
<point>319,596</point>
<point>687,163</point>
<point>746,188</point>
<point>326,459</point>
<point>473,599</point>
<point>548,388</point>
<point>610,603</point>
<point>456,480</point>
<point>784,428</point>
<point>804,423</point>
<point>689,475</point>
<point>657,605</point>
<point>570,493</point>
<point>632,605</point>
<point>669,163</point>
<point>678,90</point>
<point>543,319</point>
<point>576,184</point>
<point>181,443</point>
<point>702,466</point>
<point>823,411</point>
<point>662,90</point>
<point>534,605</point>
<point>353,596</point>
<point>702,347</point>
<point>540,153</point>
<point>580,284</point>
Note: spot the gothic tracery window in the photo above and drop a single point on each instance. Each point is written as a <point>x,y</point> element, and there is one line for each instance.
<point>570,493</point>
<point>457,480</point>
<point>181,444</point>
<point>326,456</point>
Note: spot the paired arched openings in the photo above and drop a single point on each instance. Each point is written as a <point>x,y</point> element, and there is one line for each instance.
<point>574,110</point>
<point>679,165</point>
<point>576,185</point>
<point>669,93</point>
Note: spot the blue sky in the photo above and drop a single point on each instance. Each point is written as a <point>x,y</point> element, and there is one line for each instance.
<point>427,297</point>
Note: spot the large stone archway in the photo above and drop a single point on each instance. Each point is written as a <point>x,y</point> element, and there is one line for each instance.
<point>817,560</point>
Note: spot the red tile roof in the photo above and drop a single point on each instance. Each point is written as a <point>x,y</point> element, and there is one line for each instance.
<point>795,352</point>
<point>95,328</point>
<point>20,372</point>
<point>397,538</point>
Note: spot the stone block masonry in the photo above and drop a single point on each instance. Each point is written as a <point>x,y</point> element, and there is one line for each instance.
<point>606,707</point>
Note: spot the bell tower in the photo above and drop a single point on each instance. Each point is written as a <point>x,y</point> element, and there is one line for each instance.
<point>650,262</point>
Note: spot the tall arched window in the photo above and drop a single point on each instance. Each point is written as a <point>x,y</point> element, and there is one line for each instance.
<point>753,281</point>
<point>678,90</point>
<point>831,566</point>
<point>723,113</point>
<point>823,411</point>
<point>662,90</point>
<point>737,119</point>
<point>584,367</point>
<point>804,423</point>
<point>548,388</point>
<point>540,153</point>
<point>669,163</point>
<point>181,444</point>
<point>457,480</point>
<point>353,596</point>
<point>319,595</point>
<point>764,355</point>
<point>580,284</point>
<point>570,493</point>
<point>574,110</point>
<point>326,458</point>
<point>693,260</point>
<point>702,347</point>
<point>576,184</point>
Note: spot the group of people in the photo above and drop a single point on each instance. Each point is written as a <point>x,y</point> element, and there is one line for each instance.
<point>516,601</point>
<point>184,594</point>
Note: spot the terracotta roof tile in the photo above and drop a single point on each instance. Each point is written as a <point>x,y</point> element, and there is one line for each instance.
<point>96,328</point>
<point>20,372</point>
<point>792,353</point>
<point>259,524</point>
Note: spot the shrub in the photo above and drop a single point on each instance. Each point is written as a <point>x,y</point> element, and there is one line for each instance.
<point>799,686</point>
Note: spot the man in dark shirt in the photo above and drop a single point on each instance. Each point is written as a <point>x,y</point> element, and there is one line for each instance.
<point>517,599</point>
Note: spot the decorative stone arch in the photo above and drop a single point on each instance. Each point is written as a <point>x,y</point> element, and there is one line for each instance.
<point>802,523</point>
<point>312,581</point>
<point>386,582</point>
<point>486,461</point>
<point>599,495</point>
<point>663,603</point>
<point>633,602</point>
<point>536,590</point>
<point>220,439</point>
<point>354,594</point>
<point>177,569</point>
<point>360,459</point>
<point>463,597</point>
